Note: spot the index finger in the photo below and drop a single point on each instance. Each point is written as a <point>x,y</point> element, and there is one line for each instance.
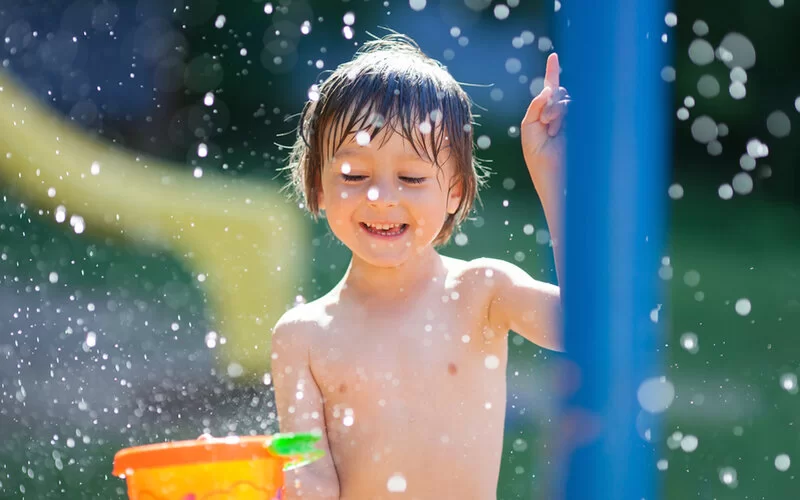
<point>551,74</point>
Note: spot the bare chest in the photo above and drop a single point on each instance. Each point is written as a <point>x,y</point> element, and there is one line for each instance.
<point>397,370</point>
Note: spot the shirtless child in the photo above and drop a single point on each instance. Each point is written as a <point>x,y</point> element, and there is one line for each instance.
<point>401,367</point>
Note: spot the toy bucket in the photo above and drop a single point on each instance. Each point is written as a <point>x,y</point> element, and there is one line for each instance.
<point>245,468</point>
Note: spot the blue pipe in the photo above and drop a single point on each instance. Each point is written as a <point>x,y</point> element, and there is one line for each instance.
<point>617,157</point>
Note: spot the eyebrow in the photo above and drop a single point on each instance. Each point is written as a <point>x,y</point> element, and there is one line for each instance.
<point>351,151</point>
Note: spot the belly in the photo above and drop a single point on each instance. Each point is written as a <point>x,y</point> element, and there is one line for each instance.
<point>430,452</point>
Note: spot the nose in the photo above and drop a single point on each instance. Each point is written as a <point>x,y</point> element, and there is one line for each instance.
<point>382,193</point>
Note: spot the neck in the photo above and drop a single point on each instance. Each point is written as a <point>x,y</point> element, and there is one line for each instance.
<point>366,282</point>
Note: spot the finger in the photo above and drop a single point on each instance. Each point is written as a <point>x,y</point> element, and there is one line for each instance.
<point>535,108</point>
<point>555,126</point>
<point>553,111</point>
<point>551,74</point>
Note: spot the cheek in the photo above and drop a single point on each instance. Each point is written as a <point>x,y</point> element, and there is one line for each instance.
<point>340,201</point>
<point>429,207</point>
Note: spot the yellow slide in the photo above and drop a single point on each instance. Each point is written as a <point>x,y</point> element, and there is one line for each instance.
<point>246,244</point>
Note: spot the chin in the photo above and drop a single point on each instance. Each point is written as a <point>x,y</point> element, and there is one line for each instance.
<point>385,257</point>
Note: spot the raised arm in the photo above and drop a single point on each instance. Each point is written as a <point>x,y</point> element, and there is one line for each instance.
<point>520,303</point>
<point>300,409</point>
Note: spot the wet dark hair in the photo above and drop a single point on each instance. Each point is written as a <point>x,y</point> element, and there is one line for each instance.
<point>391,83</point>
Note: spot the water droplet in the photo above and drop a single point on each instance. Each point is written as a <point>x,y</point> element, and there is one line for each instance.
<point>349,417</point>
<point>738,75</point>
<point>362,138</point>
<point>491,362</point>
<point>778,124</point>
<point>484,142</point>
<point>268,8</point>
<point>513,65</point>
<point>737,90</point>
<point>757,149</point>
<point>95,168</point>
<point>742,183</point>
<point>689,342</point>
<point>671,19</point>
<point>743,307</point>
<point>701,52</point>
<point>662,464</point>
<point>691,278</point>
<point>675,191</point>
<point>728,476</point>
<point>202,150</point>
<point>91,339</point>
<point>501,11</point>
<point>700,28</point>
<point>708,86</point>
<point>220,21</point>
<point>689,443</point>
<point>782,462</point>
<point>372,193</point>
<point>656,394</point>
<point>235,370</point>
<point>61,213</point>
<point>208,99</point>
<point>397,483</point>
<point>198,172</point>
<point>545,44</point>
<point>528,229</point>
<point>416,5</point>
<point>349,18</point>
<point>788,382</point>
<point>519,445</point>
<point>741,50</point>
<point>53,278</point>
<point>704,129</point>
<point>461,239</point>
<point>725,192</point>
<point>77,223</point>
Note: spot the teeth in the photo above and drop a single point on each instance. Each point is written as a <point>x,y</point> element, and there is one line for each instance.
<point>384,227</point>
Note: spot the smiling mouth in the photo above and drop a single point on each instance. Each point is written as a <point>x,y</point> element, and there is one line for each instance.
<point>385,230</point>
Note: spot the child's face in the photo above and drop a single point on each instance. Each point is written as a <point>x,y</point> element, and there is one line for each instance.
<point>387,183</point>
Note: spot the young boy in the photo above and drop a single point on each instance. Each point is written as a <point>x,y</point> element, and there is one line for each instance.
<point>401,367</point>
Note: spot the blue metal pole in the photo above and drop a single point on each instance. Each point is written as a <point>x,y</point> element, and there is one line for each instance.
<point>617,140</point>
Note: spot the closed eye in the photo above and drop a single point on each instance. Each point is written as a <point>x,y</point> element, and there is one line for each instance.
<point>357,178</point>
<point>353,178</point>
<point>413,180</point>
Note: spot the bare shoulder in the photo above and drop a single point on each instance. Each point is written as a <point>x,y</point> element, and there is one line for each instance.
<point>296,328</point>
<point>483,270</point>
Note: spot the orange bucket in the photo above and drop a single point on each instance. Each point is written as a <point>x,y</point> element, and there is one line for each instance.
<point>245,468</point>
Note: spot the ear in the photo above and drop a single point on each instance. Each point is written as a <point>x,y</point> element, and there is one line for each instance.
<point>454,196</point>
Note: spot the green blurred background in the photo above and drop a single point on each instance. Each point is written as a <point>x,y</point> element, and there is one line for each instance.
<point>153,375</point>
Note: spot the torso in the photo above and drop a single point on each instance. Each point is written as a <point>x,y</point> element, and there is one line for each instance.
<point>414,394</point>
